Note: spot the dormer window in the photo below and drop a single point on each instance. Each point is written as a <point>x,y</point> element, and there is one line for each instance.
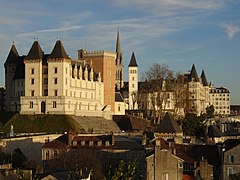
<point>82,143</point>
<point>74,143</point>
<point>91,143</point>
<point>99,143</point>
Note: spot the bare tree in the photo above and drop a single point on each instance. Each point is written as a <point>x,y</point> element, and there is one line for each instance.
<point>156,85</point>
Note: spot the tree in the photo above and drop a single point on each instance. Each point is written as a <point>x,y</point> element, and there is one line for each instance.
<point>124,171</point>
<point>210,111</point>
<point>18,159</point>
<point>193,125</point>
<point>156,87</point>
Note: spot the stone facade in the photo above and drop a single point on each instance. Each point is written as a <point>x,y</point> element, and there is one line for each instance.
<point>2,98</point>
<point>163,164</point>
<point>53,83</point>
<point>220,99</point>
<point>231,162</point>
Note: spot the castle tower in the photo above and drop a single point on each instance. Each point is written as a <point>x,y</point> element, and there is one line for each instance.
<point>103,62</point>
<point>59,71</point>
<point>119,65</point>
<point>10,68</point>
<point>132,83</point>
<point>206,89</point>
<point>33,71</point>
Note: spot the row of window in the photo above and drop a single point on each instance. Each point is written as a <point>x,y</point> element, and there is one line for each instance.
<point>45,92</point>
<point>54,104</point>
<point>45,81</point>
<point>45,71</point>
<point>133,71</point>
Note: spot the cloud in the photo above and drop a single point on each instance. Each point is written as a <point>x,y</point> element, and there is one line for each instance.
<point>230,28</point>
<point>172,7</point>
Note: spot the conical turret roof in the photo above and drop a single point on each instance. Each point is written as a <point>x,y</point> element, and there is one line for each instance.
<point>58,51</point>
<point>35,51</point>
<point>13,55</point>
<point>133,62</point>
<point>204,79</point>
<point>193,74</point>
<point>168,125</point>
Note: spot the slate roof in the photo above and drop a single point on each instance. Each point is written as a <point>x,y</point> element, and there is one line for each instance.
<point>193,74</point>
<point>118,97</point>
<point>168,125</point>
<point>12,56</point>
<point>231,143</point>
<point>214,131</point>
<point>131,123</point>
<point>122,142</point>
<point>133,62</point>
<point>58,51</point>
<point>35,51</point>
<point>55,144</point>
<point>118,48</point>
<point>204,79</point>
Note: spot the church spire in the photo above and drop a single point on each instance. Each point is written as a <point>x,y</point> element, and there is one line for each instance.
<point>118,50</point>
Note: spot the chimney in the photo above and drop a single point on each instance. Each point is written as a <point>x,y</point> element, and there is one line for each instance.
<point>70,137</point>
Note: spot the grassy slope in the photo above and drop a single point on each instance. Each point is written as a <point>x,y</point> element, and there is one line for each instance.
<point>39,123</point>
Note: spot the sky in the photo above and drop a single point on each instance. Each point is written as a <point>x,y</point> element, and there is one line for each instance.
<point>177,33</point>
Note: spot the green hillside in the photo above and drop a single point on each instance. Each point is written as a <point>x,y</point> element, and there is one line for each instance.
<point>38,123</point>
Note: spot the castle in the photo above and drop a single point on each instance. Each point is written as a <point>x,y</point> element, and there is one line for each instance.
<point>93,85</point>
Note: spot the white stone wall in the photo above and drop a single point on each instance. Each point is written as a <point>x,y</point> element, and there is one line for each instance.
<point>119,108</point>
<point>74,95</point>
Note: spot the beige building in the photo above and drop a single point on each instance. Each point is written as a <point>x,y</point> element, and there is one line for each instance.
<point>198,92</point>
<point>53,83</point>
<point>220,99</point>
<point>163,164</point>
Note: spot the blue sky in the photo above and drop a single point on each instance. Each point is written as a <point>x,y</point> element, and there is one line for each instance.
<point>175,32</point>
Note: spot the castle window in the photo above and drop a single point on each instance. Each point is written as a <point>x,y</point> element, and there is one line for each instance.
<point>45,71</point>
<point>32,93</point>
<point>55,92</point>
<point>54,104</point>
<point>32,81</point>
<point>55,70</point>
<point>132,78</point>
<point>55,80</point>
<point>47,155</point>
<point>32,71</point>
<point>66,70</point>
<point>55,154</point>
<point>132,85</point>
<point>45,92</point>
<point>30,104</point>
<point>45,81</point>
<point>119,107</point>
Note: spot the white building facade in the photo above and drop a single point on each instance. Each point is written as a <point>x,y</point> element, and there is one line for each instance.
<point>56,84</point>
<point>220,99</point>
